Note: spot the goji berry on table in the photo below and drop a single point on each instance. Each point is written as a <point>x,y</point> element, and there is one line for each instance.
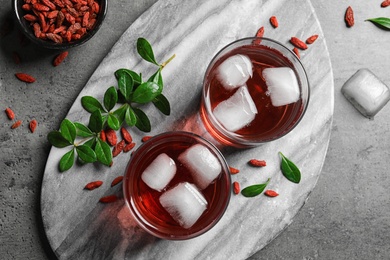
<point>93,185</point>
<point>25,77</point>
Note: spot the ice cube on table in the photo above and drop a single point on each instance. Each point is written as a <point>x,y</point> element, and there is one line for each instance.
<point>235,71</point>
<point>185,203</point>
<point>237,111</point>
<point>202,164</point>
<point>367,93</point>
<point>160,172</point>
<point>282,85</point>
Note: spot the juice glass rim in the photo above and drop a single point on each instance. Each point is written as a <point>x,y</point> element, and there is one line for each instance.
<point>235,139</point>
<point>144,149</point>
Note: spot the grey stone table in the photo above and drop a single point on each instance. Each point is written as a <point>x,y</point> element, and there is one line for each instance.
<point>347,214</point>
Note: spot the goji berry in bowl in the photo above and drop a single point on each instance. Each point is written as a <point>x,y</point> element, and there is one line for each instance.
<point>60,24</point>
<point>177,185</point>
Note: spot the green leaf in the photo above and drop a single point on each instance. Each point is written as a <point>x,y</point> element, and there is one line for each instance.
<point>145,51</point>
<point>91,104</point>
<point>113,122</point>
<point>143,122</point>
<point>121,98</point>
<point>121,112</point>
<point>146,92</point>
<point>103,152</point>
<point>254,190</point>
<point>57,140</point>
<point>68,130</point>
<point>110,98</point>
<point>290,170</point>
<point>130,117</point>
<point>162,104</point>
<point>86,153</point>
<point>67,161</point>
<point>125,85</point>
<point>136,77</point>
<point>382,22</point>
<point>96,121</point>
<point>82,130</point>
<point>157,78</point>
<point>91,142</point>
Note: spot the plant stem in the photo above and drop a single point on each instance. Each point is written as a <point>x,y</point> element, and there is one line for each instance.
<point>83,140</point>
<point>167,61</point>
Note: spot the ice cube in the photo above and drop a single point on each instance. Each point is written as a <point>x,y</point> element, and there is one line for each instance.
<point>237,111</point>
<point>367,93</point>
<point>160,172</point>
<point>185,203</point>
<point>235,71</point>
<point>282,85</point>
<point>202,164</point>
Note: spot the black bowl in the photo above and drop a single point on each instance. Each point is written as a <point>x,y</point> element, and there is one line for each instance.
<point>29,32</point>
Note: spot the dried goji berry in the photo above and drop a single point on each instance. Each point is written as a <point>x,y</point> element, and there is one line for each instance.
<point>296,51</point>
<point>54,37</point>
<point>128,147</point>
<point>108,199</point>
<point>259,34</point>
<point>30,17</point>
<point>27,7</point>
<point>33,125</point>
<point>52,14</point>
<point>16,124</point>
<point>111,137</point>
<point>146,138</point>
<point>257,163</point>
<point>233,170</point>
<point>385,3</point>
<point>93,185</point>
<point>49,4</point>
<point>116,181</point>
<point>41,7</point>
<point>60,58</point>
<point>311,39</point>
<point>349,19</point>
<point>118,148</point>
<point>236,187</point>
<point>85,20</point>
<point>103,136</point>
<point>25,77</point>
<point>298,43</point>
<point>126,135</point>
<point>37,30</point>
<point>274,21</point>
<point>271,193</point>
<point>10,114</point>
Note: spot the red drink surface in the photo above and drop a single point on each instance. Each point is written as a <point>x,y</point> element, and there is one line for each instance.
<point>270,121</point>
<point>145,200</point>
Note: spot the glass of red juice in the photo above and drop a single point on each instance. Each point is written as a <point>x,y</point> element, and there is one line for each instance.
<point>255,90</point>
<point>183,205</point>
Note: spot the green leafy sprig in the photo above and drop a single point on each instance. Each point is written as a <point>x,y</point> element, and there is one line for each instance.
<point>254,190</point>
<point>382,22</point>
<point>290,170</point>
<point>121,105</point>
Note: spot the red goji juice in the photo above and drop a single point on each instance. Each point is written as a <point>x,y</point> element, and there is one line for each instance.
<point>270,122</point>
<point>144,203</point>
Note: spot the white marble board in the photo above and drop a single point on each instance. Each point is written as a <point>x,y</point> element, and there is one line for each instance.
<point>79,227</point>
